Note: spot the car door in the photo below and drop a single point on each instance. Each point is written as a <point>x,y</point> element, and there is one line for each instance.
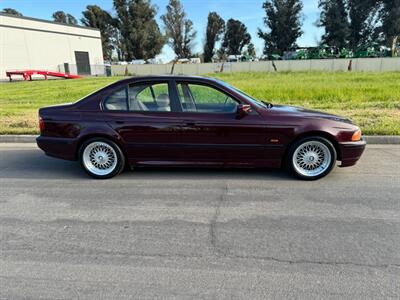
<point>147,124</point>
<point>212,131</point>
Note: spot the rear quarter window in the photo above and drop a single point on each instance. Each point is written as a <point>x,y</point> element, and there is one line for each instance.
<point>117,100</point>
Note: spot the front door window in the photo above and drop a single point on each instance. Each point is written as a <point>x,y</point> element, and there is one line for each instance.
<point>205,99</point>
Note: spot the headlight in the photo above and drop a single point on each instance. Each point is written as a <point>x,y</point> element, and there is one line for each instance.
<point>356,136</point>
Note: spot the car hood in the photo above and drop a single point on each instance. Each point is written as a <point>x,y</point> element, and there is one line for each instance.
<point>303,112</point>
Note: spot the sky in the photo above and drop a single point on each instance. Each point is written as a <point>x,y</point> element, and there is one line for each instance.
<point>249,12</point>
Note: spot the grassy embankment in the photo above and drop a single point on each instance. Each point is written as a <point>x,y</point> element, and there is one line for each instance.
<point>372,100</point>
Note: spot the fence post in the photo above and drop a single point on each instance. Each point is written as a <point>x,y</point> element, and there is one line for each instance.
<point>173,67</point>
<point>350,66</point>
<point>274,66</point>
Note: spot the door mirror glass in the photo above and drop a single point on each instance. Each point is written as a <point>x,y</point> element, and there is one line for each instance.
<point>243,110</point>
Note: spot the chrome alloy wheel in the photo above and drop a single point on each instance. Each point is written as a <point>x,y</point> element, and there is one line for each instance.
<point>311,158</point>
<point>100,158</point>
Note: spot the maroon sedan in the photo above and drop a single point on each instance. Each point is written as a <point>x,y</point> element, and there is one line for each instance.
<point>194,121</point>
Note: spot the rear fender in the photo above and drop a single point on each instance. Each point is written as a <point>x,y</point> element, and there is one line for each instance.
<point>99,130</point>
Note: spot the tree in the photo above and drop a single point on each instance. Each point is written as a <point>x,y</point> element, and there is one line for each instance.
<point>121,36</point>
<point>251,50</point>
<point>179,29</point>
<point>96,17</point>
<point>235,37</point>
<point>334,19</point>
<point>391,23</point>
<point>189,34</point>
<point>283,20</point>
<point>62,17</point>
<point>11,11</point>
<point>146,38</point>
<point>215,28</point>
<point>364,18</point>
<point>139,36</point>
<point>71,20</point>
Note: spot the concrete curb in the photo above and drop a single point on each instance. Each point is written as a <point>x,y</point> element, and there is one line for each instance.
<point>8,138</point>
<point>372,139</point>
<point>383,139</point>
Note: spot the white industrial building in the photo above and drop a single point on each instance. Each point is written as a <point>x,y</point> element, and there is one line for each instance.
<point>34,44</point>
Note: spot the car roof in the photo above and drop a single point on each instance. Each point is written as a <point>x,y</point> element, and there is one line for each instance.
<point>168,77</point>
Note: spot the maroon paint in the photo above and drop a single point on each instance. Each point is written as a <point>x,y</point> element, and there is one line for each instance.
<point>192,139</point>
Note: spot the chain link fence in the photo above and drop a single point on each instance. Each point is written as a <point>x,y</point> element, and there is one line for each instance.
<point>85,70</point>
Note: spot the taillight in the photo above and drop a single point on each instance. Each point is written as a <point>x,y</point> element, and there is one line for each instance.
<point>41,124</point>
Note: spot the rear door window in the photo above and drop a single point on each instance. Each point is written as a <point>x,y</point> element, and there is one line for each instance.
<point>149,97</point>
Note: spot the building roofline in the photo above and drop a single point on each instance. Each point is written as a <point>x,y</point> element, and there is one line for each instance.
<point>47,21</point>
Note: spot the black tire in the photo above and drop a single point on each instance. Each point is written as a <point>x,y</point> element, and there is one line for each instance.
<point>295,170</point>
<point>120,158</point>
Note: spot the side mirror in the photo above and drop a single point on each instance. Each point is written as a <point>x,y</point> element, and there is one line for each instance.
<point>243,110</point>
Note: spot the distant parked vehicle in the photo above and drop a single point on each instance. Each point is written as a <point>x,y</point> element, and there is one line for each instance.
<point>137,62</point>
<point>290,55</point>
<point>240,58</point>
<point>271,57</point>
<point>194,121</point>
<point>193,60</point>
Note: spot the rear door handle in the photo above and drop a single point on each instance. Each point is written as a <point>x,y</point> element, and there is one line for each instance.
<point>119,122</point>
<point>189,122</point>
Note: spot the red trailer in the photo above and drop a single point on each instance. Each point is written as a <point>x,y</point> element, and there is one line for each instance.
<point>27,74</point>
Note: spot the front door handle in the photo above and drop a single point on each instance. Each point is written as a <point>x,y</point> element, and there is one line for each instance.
<point>119,122</point>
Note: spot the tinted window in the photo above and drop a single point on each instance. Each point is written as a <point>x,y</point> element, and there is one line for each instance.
<point>202,98</point>
<point>149,97</point>
<point>117,100</point>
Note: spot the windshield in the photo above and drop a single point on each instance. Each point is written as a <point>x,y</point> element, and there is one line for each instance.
<point>248,98</point>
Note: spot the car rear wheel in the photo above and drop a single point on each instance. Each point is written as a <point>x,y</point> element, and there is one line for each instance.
<point>312,158</point>
<point>101,158</point>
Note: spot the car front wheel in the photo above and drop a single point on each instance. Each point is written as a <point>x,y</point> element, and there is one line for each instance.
<point>101,158</point>
<point>312,158</point>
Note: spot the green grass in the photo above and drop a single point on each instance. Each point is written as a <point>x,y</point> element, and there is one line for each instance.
<point>372,100</point>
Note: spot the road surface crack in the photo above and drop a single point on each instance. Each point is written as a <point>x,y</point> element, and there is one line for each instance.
<point>315,262</point>
<point>213,223</point>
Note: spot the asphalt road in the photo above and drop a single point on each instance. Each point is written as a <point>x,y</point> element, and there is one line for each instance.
<point>198,234</point>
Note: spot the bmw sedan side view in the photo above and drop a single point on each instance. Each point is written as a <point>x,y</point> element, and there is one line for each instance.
<point>194,121</point>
